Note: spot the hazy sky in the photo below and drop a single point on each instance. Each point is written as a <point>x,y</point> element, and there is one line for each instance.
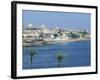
<point>65,20</point>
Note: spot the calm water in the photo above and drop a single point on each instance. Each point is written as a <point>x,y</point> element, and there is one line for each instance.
<point>75,54</point>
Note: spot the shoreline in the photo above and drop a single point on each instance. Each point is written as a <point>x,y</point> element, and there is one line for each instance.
<point>37,43</point>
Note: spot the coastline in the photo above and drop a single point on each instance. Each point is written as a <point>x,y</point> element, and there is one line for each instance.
<point>37,43</point>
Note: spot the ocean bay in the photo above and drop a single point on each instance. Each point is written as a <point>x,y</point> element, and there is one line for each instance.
<point>76,54</point>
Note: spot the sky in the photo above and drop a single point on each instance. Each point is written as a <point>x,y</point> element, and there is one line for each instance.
<point>62,20</point>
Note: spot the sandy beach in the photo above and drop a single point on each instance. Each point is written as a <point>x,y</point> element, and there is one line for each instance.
<point>52,42</point>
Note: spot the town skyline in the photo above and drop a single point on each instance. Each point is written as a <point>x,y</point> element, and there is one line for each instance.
<point>68,20</point>
<point>30,26</point>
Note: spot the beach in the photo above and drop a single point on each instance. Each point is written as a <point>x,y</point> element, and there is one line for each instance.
<point>52,42</point>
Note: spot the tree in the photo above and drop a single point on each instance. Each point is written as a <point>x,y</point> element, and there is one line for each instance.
<point>83,33</point>
<point>60,32</point>
<point>41,36</point>
<point>32,53</point>
<point>60,57</point>
<point>55,35</point>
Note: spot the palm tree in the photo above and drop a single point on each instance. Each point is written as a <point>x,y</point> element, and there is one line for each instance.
<point>60,57</point>
<point>32,53</point>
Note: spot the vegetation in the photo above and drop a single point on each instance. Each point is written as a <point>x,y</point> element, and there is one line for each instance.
<point>55,35</point>
<point>32,54</point>
<point>60,32</point>
<point>41,36</point>
<point>73,35</point>
<point>83,33</point>
<point>60,58</point>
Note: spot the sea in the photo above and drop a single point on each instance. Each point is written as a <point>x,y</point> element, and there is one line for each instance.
<point>75,54</point>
